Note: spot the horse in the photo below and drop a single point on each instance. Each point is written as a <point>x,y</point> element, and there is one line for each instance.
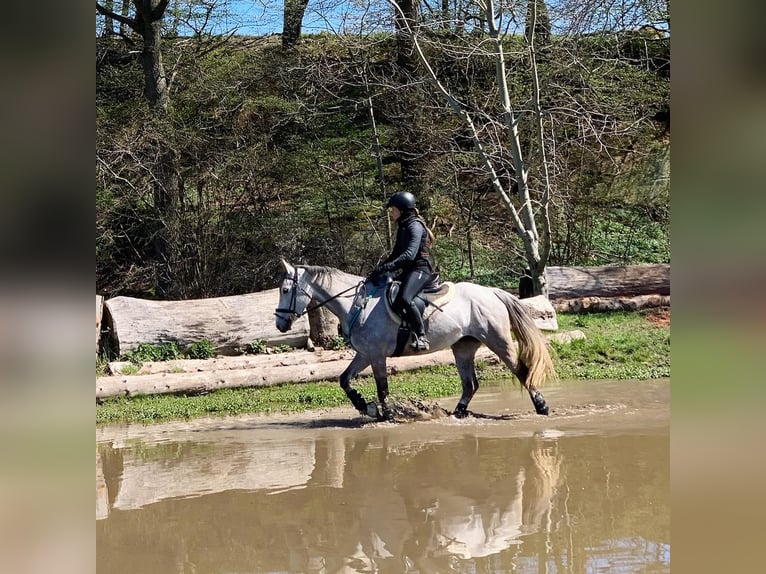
<point>473,316</point>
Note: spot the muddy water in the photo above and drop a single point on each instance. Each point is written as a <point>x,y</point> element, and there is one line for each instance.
<point>583,490</point>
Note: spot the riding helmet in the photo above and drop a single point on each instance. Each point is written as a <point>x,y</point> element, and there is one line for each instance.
<point>403,200</point>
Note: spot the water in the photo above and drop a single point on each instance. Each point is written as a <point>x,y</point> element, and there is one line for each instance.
<point>584,490</point>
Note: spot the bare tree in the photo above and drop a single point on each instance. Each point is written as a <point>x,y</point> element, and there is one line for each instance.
<point>166,180</point>
<point>524,210</point>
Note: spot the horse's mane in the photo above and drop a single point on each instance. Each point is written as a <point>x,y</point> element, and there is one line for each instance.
<point>322,274</point>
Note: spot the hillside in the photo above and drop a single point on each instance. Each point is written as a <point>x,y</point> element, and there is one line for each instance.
<point>280,152</point>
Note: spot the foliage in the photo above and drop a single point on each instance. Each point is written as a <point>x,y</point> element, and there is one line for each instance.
<point>145,352</point>
<point>336,344</point>
<point>276,157</point>
<point>257,347</point>
<point>169,351</point>
<point>200,350</point>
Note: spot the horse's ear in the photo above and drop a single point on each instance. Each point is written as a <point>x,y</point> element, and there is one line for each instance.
<point>286,265</point>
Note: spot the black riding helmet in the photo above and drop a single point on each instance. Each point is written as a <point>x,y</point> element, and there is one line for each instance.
<point>402,200</point>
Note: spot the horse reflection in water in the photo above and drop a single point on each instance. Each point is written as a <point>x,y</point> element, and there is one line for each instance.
<point>410,525</point>
<point>458,526</point>
<point>475,315</point>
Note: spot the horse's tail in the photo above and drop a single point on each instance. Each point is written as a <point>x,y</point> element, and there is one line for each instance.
<point>533,348</point>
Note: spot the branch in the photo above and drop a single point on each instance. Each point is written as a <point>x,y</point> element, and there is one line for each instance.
<point>119,17</point>
<point>158,11</point>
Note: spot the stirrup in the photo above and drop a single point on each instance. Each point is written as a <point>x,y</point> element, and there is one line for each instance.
<point>420,343</point>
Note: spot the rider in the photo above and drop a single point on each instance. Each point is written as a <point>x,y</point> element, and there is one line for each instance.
<point>411,255</point>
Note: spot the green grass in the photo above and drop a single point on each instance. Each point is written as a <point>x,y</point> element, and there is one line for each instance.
<point>621,345</point>
<point>618,345</point>
<point>425,383</point>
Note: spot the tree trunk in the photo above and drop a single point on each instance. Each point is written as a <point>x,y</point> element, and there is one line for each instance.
<point>108,20</point>
<point>323,326</point>
<point>99,315</point>
<point>579,282</point>
<point>294,11</point>
<point>405,22</point>
<point>125,12</point>
<point>155,83</point>
<point>229,323</point>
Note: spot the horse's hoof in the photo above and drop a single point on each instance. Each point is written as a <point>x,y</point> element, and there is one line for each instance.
<point>373,411</point>
<point>541,407</point>
<point>461,411</point>
<point>386,415</point>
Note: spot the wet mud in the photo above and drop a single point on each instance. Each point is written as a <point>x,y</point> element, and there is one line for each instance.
<point>585,489</point>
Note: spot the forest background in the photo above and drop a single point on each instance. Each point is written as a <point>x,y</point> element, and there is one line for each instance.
<point>251,148</point>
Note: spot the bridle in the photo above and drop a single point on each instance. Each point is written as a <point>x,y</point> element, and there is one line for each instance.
<point>294,295</point>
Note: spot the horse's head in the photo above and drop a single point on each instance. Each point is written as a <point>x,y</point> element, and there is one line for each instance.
<point>294,296</point>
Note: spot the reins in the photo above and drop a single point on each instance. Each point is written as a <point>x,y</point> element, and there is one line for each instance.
<point>296,286</point>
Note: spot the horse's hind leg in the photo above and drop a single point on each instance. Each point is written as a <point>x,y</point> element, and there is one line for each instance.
<point>381,383</point>
<point>464,351</point>
<point>504,351</point>
<point>521,372</point>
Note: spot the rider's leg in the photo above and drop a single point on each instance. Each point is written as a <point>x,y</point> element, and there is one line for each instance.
<point>412,284</point>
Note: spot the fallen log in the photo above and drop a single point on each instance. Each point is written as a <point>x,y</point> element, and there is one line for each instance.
<point>297,357</point>
<point>270,370</point>
<point>229,323</point>
<point>601,304</point>
<point>542,312</point>
<point>628,281</point>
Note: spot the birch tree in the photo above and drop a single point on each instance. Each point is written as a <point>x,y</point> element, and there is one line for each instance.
<point>528,210</point>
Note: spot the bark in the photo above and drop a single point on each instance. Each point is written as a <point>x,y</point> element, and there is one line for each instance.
<point>294,11</point>
<point>406,20</point>
<point>538,23</point>
<point>579,282</point>
<point>229,323</point>
<point>323,326</point>
<point>601,304</point>
<point>155,83</point>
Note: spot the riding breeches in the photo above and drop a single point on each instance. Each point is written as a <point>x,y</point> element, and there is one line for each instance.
<point>412,283</point>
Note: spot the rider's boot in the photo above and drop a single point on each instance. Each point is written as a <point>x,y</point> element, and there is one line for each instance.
<point>419,342</point>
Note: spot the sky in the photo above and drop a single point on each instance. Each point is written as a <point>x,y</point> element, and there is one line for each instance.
<point>263,17</point>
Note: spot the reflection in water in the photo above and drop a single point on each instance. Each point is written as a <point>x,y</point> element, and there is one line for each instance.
<point>372,500</point>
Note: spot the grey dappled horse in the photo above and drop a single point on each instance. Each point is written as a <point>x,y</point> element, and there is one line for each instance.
<point>474,315</point>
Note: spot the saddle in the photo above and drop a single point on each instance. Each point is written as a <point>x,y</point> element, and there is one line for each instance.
<point>429,301</point>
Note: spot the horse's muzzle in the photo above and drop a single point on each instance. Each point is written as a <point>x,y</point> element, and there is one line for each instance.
<point>282,324</point>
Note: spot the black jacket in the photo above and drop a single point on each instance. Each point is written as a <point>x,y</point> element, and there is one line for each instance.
<point>411,250</point>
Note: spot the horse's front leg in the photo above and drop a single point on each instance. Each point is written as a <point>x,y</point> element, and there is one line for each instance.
<point>357,365</point>
<point>381,382</point>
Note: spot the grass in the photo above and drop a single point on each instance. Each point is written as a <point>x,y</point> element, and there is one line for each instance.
<point>619,345</point>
